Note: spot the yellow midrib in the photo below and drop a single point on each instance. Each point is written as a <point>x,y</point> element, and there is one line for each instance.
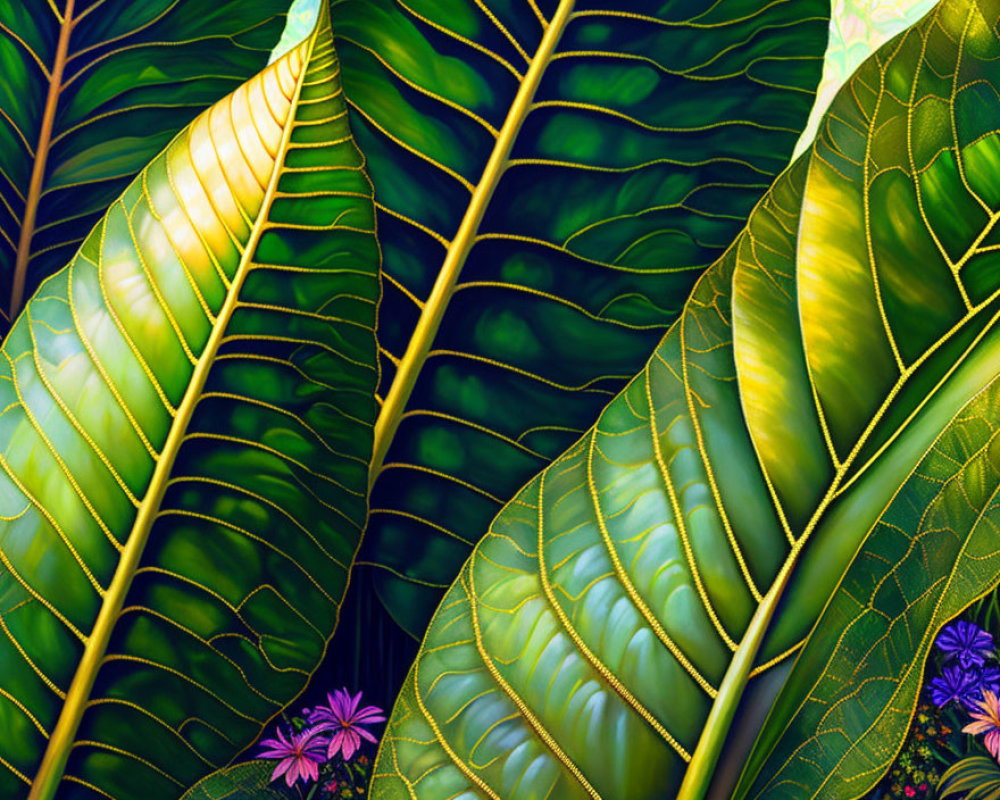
<point>53,763</point>
<point>710,743</point>
<point>433,311</point>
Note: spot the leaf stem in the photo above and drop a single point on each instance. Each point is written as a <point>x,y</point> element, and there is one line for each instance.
<point>700,769</point>
<point>41,160</point>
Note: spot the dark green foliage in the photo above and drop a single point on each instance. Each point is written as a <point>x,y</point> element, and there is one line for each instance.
<point>180,495</point>
<point>649,141</point>
<point>806,469</point>
<point>135,74</point>
<point>250,780</point>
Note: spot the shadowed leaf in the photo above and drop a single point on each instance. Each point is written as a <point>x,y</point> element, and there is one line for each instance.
<point>250,780</point>
<point>92,90</point>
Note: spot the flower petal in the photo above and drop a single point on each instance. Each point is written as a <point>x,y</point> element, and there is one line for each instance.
<point>291,773</point>
<point>336,743</point>
<point>368,711</point>
<point>281,768</point>
<point>341,702</point>
<point>992,742</point>
<point>354,704</point>
<point>979,726</point>
<point>352,742</point>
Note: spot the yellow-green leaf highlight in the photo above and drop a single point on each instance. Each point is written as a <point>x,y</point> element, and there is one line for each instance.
<point>91,92</point>
<point>184,439</point>
<point>919,211</point>
<point>832,375</point>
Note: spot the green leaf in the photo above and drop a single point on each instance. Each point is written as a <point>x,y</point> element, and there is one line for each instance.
<point>564,171</point>
<point>826,375</point>
<point>933,550</point>
<point>975,778</point>
<point>92,91</point>
<point>184,440</point>
<point>250,780</point>
<point>850,696</point>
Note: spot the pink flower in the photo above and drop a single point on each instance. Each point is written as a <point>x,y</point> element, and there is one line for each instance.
<point>987,721</point>
<point>909,791</point>
<point>345,722</point>
<point>300,755</point>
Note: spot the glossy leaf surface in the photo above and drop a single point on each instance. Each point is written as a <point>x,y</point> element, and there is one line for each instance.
<point>934,549</point>
<point>184,440</point>
<point>825,375</point>
<point>92,90</point>
<point>562,172</point>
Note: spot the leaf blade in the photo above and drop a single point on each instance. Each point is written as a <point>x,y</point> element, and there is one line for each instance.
<point>724,530</point>
<point>632,171</point>
<point>93,94</point>
<point>189,417</point>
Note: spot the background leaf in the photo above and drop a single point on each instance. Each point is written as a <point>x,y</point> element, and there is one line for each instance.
<point>184,443</point>
<point>653,131</point>
<point>676,556</point>
<point>857,29</point>
<point>581,648</point>
<point>974,778</point>
<point>250,780</point>
<point>120,78</point>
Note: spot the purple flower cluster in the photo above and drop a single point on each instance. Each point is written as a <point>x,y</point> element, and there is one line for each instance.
<point>300,755</point>
<point>342,720</point>
<point>966,676</point>
<point>327,731</point>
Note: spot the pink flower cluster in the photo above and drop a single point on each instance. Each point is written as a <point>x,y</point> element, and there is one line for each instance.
<point>335,728</point>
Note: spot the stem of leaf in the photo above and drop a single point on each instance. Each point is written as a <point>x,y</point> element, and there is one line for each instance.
<point>701,768</point>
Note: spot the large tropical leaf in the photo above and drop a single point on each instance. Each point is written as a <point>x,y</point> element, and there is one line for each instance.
<point>834,367</point>
<point>935,548</point>
<point>564,171</point>
<point>92,90</point>
<point>848,701</point>
<point>184,439</point>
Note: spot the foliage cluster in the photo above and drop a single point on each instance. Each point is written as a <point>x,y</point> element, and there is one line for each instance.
<point>677,453</point>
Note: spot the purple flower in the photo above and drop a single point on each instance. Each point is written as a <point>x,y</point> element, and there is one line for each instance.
<point>344,721</point>
<point>300,755</point>
<point>967,642</point>
<point>955,683</point>
<point>988,680</point>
